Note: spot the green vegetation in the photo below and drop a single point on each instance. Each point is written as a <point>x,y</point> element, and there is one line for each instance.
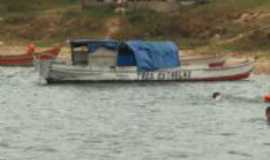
<point>50,21</point>
<point>231,25</point>
<point>216,25</point>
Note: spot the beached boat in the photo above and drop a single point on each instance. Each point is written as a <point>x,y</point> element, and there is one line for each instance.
<point>23,59</point>
<point>48,54</point>
<point>134,61</point>
<point>26,59</point>
<point>211,61</point>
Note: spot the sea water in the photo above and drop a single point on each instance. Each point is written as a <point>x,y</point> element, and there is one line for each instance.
<point>131,121</point>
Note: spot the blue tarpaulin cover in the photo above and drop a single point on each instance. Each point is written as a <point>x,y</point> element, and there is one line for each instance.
<point>148,56</point>
<point>93,46</point>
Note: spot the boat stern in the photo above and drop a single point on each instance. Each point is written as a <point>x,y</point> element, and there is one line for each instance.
<point>43,68</point>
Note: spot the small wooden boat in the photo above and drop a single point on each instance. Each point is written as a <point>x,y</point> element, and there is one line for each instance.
<point>21,60</point>
<point>210,61</point>
<point>51,53</point>
<point>137,61</point>
<point>27,58</point>
<point>267,98</point>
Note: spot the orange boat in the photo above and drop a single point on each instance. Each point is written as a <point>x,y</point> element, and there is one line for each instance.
<point>23,59</point>
<point>51,53</point>
<point>26,59</point>
<point>211,61</point>
<point>267,98</point>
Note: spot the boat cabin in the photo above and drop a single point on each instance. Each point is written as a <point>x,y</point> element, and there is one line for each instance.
<point>95,53</point>
<point>146,56</point>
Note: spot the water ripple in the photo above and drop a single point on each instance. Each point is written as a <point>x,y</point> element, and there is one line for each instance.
<point>131,121</point>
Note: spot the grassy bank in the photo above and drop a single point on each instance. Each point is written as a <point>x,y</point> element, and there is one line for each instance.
<point>50,21</point>
<point>220,26</point>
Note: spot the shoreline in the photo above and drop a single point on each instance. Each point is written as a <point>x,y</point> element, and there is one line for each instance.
<point>262,65</point>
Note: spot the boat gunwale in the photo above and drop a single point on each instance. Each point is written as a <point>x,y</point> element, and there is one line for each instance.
<point>231,78</point>
<point>201,58</point>
<point>239,65</point>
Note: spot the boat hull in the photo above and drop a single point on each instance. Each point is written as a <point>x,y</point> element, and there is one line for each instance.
<point>267,98</point>
<point>27,59</point>
<point>60,72</point>
<point>21,60</point>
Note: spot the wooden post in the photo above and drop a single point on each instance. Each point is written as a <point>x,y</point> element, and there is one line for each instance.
<point>83,4</point>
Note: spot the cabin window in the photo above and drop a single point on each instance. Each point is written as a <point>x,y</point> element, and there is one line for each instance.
<point>102,58</point>
<point>80,55</point>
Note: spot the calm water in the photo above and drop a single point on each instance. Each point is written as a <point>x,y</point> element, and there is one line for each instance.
<point>156,121</point>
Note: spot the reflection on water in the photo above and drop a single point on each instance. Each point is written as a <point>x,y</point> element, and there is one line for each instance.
<point>131,121</point>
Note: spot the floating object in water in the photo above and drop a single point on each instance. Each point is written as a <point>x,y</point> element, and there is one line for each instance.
<point>267,98</point>
<point>216,95</point>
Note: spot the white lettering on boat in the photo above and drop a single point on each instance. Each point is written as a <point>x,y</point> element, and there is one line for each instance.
<point>173,75</point>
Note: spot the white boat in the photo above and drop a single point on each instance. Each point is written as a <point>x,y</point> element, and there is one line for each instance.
<point>61,72</point>
<point>136,61</point>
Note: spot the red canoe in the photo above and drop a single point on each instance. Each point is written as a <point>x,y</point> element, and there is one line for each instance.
<point>23,59</point>
<point>48,54</point>
<point>211,61</point>
<point>27,58</point>
<point>267,98</point>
